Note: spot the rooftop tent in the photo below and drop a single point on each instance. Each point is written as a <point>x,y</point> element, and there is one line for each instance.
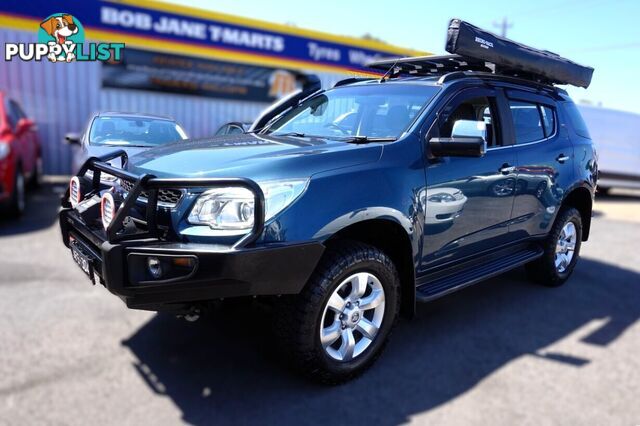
<point>476,50</point>
<point>511,57</point>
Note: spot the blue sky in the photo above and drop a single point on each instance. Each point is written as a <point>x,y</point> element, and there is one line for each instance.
<point>604,35</point>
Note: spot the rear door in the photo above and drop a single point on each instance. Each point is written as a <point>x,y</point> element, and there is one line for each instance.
<point>544,155</point>
<point>468,201</point>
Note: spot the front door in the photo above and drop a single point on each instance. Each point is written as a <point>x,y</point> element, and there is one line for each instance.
<point>468,201</point>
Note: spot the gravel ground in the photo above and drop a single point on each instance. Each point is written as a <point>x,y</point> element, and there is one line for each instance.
<point>502,352</point>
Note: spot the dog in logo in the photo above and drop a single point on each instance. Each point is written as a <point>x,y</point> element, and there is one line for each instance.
<point>60,27</point>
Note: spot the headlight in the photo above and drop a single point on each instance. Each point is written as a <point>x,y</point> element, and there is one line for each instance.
<point>231,208</point>
<point>5,149</point>
<point>441,197</point>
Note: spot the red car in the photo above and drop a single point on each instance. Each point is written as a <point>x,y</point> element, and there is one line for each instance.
<point>20,155</point>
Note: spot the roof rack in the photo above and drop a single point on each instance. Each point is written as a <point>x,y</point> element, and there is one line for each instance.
<point>430,65</point>
<point>476,50</point>
<point>446,65</point>
<point>350,80</point>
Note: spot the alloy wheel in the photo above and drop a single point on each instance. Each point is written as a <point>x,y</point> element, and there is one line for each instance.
<point>352,316</point>
<point>565,247</point>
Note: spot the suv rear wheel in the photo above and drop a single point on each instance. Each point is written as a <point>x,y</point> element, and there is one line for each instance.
<point>561,250</point>
<point>337,327</point>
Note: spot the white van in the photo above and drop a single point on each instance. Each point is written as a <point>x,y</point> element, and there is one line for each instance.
<point>616,135</point>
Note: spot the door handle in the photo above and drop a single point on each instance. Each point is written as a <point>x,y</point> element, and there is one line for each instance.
<point>507,168</point>
<point>562,158</point>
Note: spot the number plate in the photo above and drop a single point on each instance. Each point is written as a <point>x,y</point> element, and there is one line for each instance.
<point>83,261</point>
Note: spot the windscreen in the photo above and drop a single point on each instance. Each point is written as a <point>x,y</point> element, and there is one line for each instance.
<point>134,131</point>
<point>377,111</point>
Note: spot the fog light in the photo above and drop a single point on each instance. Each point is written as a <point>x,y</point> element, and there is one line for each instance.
<point>154,267</point>
<point>107,209</point>
<point>75,191</point>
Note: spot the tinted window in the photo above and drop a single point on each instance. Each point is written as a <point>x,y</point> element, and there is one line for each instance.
<point>474,109</point>
<point>234,130</point>
<point>17,109</point>
<point>222,130</point>
<point>12,114</point>
<point>526,121</point>
<point>577,122</point>
<point>381,110</point>
<point>134,131</point>
<point>548,119</point>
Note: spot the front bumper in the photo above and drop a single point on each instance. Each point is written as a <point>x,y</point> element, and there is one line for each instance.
<point>118,257</point>
<point>219,272</point>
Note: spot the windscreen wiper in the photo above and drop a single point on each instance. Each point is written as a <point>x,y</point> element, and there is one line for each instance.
<point>367,139</point>
<point>296,134</point>
<point>350,139</point>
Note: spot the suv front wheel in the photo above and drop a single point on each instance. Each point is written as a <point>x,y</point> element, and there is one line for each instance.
<point>337,327</point>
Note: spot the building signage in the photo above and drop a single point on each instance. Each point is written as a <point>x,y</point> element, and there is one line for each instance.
<point>162,26</point>
<point>163,72</point>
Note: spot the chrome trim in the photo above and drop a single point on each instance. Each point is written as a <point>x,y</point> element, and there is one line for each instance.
<point>496,148</point>
<point>160,203</point>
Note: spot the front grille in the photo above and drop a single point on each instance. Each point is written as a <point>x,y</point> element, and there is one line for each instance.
<point>167,197</point>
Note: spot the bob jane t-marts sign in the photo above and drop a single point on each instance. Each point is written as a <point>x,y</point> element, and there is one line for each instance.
<point>187,31</point>
<point>145,70</point>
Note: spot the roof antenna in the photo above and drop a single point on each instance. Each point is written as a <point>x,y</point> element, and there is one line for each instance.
<point>387,75</point>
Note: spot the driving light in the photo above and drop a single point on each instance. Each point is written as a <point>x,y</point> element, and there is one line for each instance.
<point>75,191</point>
<point>232,208</point>
<point>107,209</point>
<point>441,197</point>
<point>155,267</point>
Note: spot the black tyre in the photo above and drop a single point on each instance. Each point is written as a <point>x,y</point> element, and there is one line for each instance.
<point>36,177</point>
<point>337,327</point>
<point>17,202</point>
<point>561,250</point>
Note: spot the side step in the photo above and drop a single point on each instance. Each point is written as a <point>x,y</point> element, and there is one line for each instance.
<point>439,284</point>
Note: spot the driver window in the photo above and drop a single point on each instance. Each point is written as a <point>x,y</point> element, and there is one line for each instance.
<point>475,109</point>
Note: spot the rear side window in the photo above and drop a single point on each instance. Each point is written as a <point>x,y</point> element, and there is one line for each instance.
<point>17,109</point>
<point>577,122</point>
<point>548,120</point>
<point>234,130</point>
<point>527,122</point>
<point>12,114</point>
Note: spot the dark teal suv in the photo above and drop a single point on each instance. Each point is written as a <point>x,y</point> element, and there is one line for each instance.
<point>344,207</point>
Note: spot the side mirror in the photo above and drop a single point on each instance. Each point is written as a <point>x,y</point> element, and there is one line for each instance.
<point>469,129</point>
<point>23,126</point>
<point>468,139</point>
<point>72,138</point>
